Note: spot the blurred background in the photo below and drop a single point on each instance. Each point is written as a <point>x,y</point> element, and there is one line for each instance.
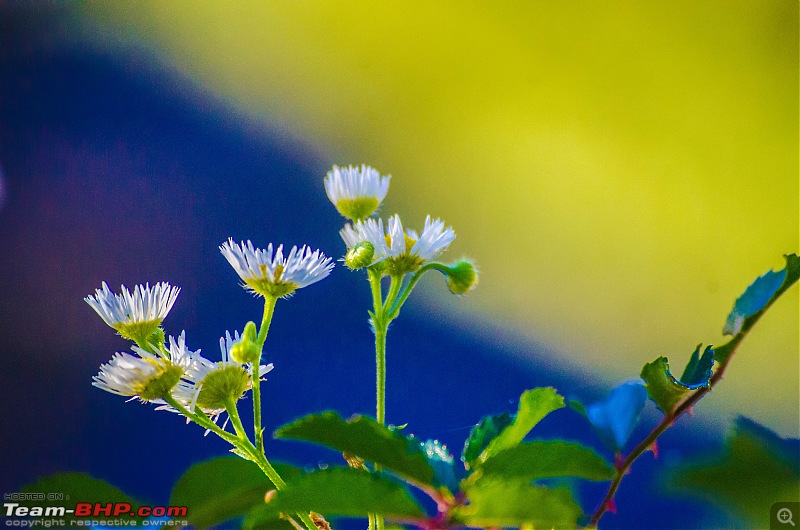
<point>620,172</point>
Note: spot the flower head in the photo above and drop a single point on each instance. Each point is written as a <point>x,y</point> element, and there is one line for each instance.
<point>135,316</point>
<point>145,375</point>
<point>211,385</point>
<point>356,192</point>
<point>402,251</point>
<point>271,274</point>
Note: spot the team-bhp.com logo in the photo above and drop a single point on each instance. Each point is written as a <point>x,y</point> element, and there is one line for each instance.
<point>113,510</point>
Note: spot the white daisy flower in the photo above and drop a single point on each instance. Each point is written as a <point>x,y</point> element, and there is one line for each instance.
<point>145,375</point>
<point>403,251</point>
<point>135,315</point>
<point>434,240</point>
<point>209,385</point>
<point>271,274</point>
<point>356,192</point>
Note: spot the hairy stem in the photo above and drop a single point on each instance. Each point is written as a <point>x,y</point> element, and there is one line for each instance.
<point>394,308</point>
<point>269,309</point>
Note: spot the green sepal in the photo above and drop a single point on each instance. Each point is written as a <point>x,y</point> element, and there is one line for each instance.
<point>665,390</point>
<point>534,405</point>
<point>222,385</point>
<point>366,438</point>
<point>222,488</point>
<point>483,433</point>
<point>77,487</point>
<point>162,384</point>
<point>341,491</point>
<point>517,503</point>
<point>756,469</point>
<point>548,459</point>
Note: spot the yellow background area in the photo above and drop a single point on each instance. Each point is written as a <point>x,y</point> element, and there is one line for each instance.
<point>621,171</point>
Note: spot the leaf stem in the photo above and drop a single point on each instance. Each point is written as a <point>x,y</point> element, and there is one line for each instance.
<point>666,422</point>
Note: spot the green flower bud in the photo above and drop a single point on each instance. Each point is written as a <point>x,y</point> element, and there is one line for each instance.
<point>360,255</point>
<point>246,350</point>
<point>462,277</point>
<point>250,333</point>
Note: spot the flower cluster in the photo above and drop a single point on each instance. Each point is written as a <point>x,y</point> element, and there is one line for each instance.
<point>388,247</point>
<point>158,371</point>
<point>212,386</point>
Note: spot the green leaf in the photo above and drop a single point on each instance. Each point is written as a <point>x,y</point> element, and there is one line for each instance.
<point>78,487</point>
<point>483,433</point>
<point>342,491</point>
<point>222,488</point>
<point>366,438</point>
<point>756,469</point>
<point>756,299</point>
<point>440,459</point>
<point>496,503</point>
<point>533,406</point>
<point>548,459</point>
<point>667,391</point>
<point>698,370</point>
<point>614,418</point>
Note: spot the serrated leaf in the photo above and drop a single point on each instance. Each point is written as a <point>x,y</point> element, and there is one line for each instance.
<point>222,488</point>
<point>753,300</point>
<point>756,469</point>
<point>342,491</point>
<point>615,418</point>
<point>484,432</point>
<point>366,438</point>
<point>548,459</point>
<point>534,405</point>
<point>78,487</point>
<point>698,370</point>
<point>665,390</point>
<point>742,318</point>
<point>497,503</point>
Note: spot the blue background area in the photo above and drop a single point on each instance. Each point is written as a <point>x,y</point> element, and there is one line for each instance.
<point>117,171</point>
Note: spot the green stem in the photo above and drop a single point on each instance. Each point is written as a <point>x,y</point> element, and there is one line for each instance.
<point>380,373</point>
<point>375,287</point>
<point>202,420</point>
<point>394,289</point>
<point>394,309</point>
<point>233,413</point>
<point>242,443</point>
<point>269,309</point>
